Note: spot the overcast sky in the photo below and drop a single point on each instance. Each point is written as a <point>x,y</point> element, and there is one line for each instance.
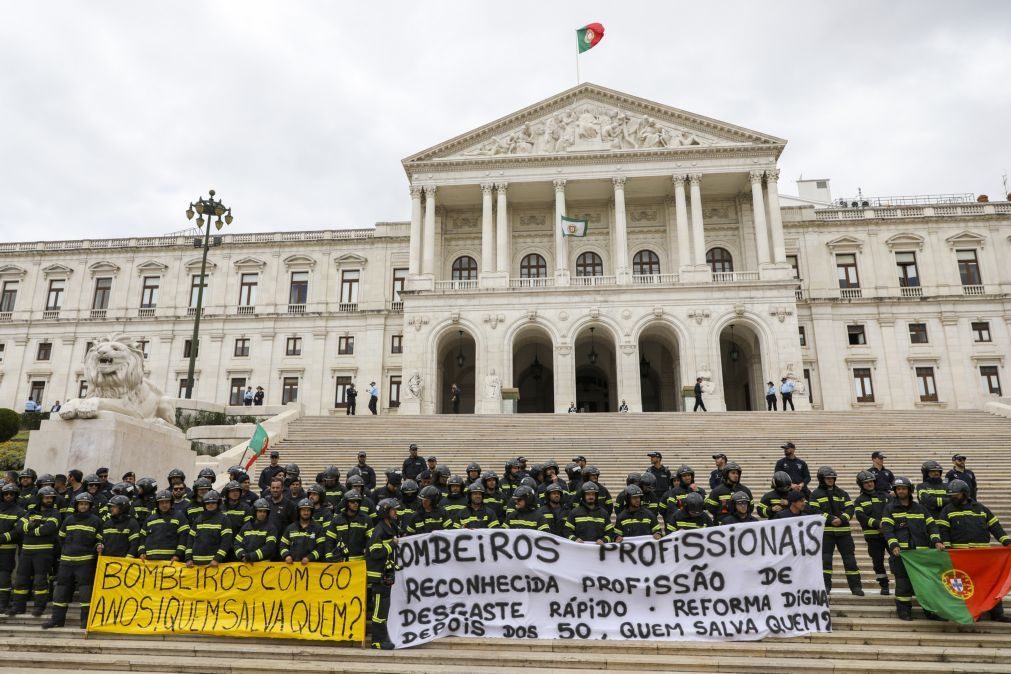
<point>114,115</point>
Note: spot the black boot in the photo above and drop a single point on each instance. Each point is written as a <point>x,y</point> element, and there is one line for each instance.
<point>57,619</point>
<point>18,606</point>
<point>828,583</point>
<point>39,609</point>
<point>380,637</point>
<point>855,586</point>
<point>884,587</point>
<point>84,617</point>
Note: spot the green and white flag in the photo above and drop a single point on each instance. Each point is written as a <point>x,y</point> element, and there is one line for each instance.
<point>573,226</point>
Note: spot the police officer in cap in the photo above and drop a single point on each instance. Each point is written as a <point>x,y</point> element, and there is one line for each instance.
<point>960,472</point>
<point>660,472</point>
<point>413,464</point>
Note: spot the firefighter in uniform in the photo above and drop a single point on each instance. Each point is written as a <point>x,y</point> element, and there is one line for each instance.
<point>477,515</point>
<point>905,525</point>
<point>834,504</point>
<point>684,484</point>
<point>604,500</point>
<point>236,509</point>
<point>774,500</point>
<point>144,504</point>
<point>868,507</point>
<point>455,499</point>
<point>80,536</point>
<point>430,517</point>
<point>163,536</point>
<point>257,539</point>
<point>589,522</point>
<point>932,493</point>
<point>409,502</point>
<point>10,515</point>
<point>348,534</point>
<point>967,523</point>
<point>718,502</point>
<point>524,514</point>
<point>322,513</point>
<point>555,511</point>
<point>39,530</point>
<point>120,533</point>
<point>333,493</point>
<point>635,519</point>
<point>741,512</point>
<point>381,569</point>
<point>650,500</point>
<point>692,515</point>
<point>494,497</point>
<point>303,541</point>
<point>210,534</point>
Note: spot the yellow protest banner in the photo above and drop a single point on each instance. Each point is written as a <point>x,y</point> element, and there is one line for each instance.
<point>317,601</point>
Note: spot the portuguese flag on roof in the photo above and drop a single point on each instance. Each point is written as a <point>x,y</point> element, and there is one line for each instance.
<point>959,585</point>
<point>589,35</point>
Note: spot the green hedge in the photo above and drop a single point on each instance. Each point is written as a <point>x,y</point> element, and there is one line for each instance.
<point>10,424</point>
<point>30,421</point>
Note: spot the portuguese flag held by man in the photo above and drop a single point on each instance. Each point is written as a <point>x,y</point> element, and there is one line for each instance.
<point>589,36</point>
<point>959,584</point>
<point>257,444</point>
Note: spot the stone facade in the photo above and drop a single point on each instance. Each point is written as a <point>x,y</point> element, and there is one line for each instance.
<point>691,266</point>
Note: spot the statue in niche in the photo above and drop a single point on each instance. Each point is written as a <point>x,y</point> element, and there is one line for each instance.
<point>415,385</point>
<point>493,386</point>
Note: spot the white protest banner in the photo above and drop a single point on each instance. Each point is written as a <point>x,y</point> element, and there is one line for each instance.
<point>741,582</point>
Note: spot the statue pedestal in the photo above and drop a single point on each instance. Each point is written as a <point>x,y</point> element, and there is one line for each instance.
<point>112,440</point>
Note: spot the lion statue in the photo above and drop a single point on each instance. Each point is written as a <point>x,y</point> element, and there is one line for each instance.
<point>114,368</point>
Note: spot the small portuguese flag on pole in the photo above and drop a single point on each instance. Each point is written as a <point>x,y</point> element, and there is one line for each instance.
<point>959,584</point>
<point>589,35</point>
<point>258,444</point>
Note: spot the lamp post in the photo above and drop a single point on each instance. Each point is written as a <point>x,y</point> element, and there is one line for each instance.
<point>205,209</point>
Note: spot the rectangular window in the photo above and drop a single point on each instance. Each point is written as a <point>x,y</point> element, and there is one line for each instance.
<point>863,385</point>
<point>846,267</point>
<point>195,286</point>
<point>395,390</point>
<point>143,345</point>
<point>399,279</point>
<point>82,388</point>
<point>188,348</point>
<point>341,394</point>
<point>299,291</point>
<point>54,300</point>
<point>810,389</point>
<point>289,390</point>
<point>9,296</point>
<point>45,351</point>
<point>247,289</point>
<point>981,331</point>
<point>3,347</point>
<point>803,335</point>
<point>103,288</point>
<point>293,346</point>
<point>991,379</point>
<point>36,391</point>
<point>241,347</point>
<point>856,335</point>
<point>397,344</point>
<point>345,346</point>
<point>794,263</point>
<point>349,286</point>
<point>909,277</point>
<point>917,333</point>
<point>183,385</point>
<point>87,347</point>
<point>149,292</point>
<point>926,385</point>
<point>968,267</point>
<point>236,390</point>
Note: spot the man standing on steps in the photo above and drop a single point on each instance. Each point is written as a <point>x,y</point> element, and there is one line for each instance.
<point>381,569</point>
<point>269,472</point>
<point>413,464</point>
<point>835,505</point>
<point>786,387</point>
<point>882,476</point>
<point>869,507</point>
<point>352,400</point>
<point>906,525</point>
<point>800,475</point>
<point>960,472</point>
<point>373,398</point>
<point>660,472</point>
<point>716,477</point>
<point>698,396</point>
<point>365,470</point>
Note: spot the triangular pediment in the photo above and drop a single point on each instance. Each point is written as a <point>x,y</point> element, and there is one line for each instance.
<point>299,262</point>
<point>966,238</point>
<point>845,243</point>
<point>152,267</point>
<point>249,264</point>
<point>906,241</point>
<point>350,260</point>
<point>103,267</point>
<point>590,119</point>
<point>57,270</point>
<point>12,270</point>
<point>193,266</point>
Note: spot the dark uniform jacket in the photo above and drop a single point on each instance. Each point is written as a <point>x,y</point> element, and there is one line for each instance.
<point>970,525</point>
<point>10,514</point>
<point>333,496</point>
<point>79,534</point>
<point>381,559</point>
<point>481,517</point>
<point>412,467</point>
<point>164,536</point>
<point>638,522</point>
<point>933,496</point>
<point>453,504</point>
<point>379,493</point>
<point>589,524</point>
<point>141,508</point>
<point>718,502</point>
<point>255,542</point>
<point>674,499</point>
<point>496,500</point>
<point>368,475</point>
<point>210,538</point>
<point>267,474</point>
<point>425,522</point>
<point>831,504</point>
<point>968,477</point>
<point>736,518</point>
<point>663,476</point>
<point>528,518</point>
<point>349,534</point>
<point>120,536</point>
<point>407,509</point>
<point>882,478</point>
<point>40,529</point>
<point>786,512</point>
<point>555,518</point>
<point>282,514</point>
<point>299,542</point>
<point>869,509</point>
<point>796,468</point>
<point>238,513</point>
<point>908,527</point>
<point>682,520</point>
<point>770,500</point>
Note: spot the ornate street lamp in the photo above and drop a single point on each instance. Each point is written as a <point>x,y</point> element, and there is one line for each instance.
<point>460,359</point>
<point>644,366</point>
<point>593,352</point>
<point>205,210</point>
<point>734,353</point>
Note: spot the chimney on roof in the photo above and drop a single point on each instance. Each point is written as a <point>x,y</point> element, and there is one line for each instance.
<point>816,190</point>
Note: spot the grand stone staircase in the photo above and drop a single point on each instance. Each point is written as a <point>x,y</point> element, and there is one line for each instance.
<point>866,638</point>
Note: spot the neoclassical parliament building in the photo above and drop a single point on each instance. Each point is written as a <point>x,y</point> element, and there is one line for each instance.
<point>692,265</point>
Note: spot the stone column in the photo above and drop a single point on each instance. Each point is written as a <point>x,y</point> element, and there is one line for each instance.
<point>629,381</point>
<point>758,212</point>
<point>963,374</point>
<point>698,235</point>
<point>684,245</point>
<point>565,377</point>
<point>487,231</point>
<point>414,267</point>
<point>561,243</point>
<point>620,232</point>
<point>502,245</point>
<point>428,252</point>
<point>775,216</point>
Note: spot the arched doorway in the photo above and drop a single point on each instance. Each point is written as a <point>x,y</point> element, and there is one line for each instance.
<point>456,362</point>
<point>741,361</point>
<point>659,369</point>
<point>533,370</point>
<point>596,371</point>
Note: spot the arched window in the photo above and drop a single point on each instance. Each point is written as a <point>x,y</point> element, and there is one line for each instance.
<point>589,264</point>
<point>464,268</point>
<point>719,260</point>
<point>533,266</point>
<point>646,262</point>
